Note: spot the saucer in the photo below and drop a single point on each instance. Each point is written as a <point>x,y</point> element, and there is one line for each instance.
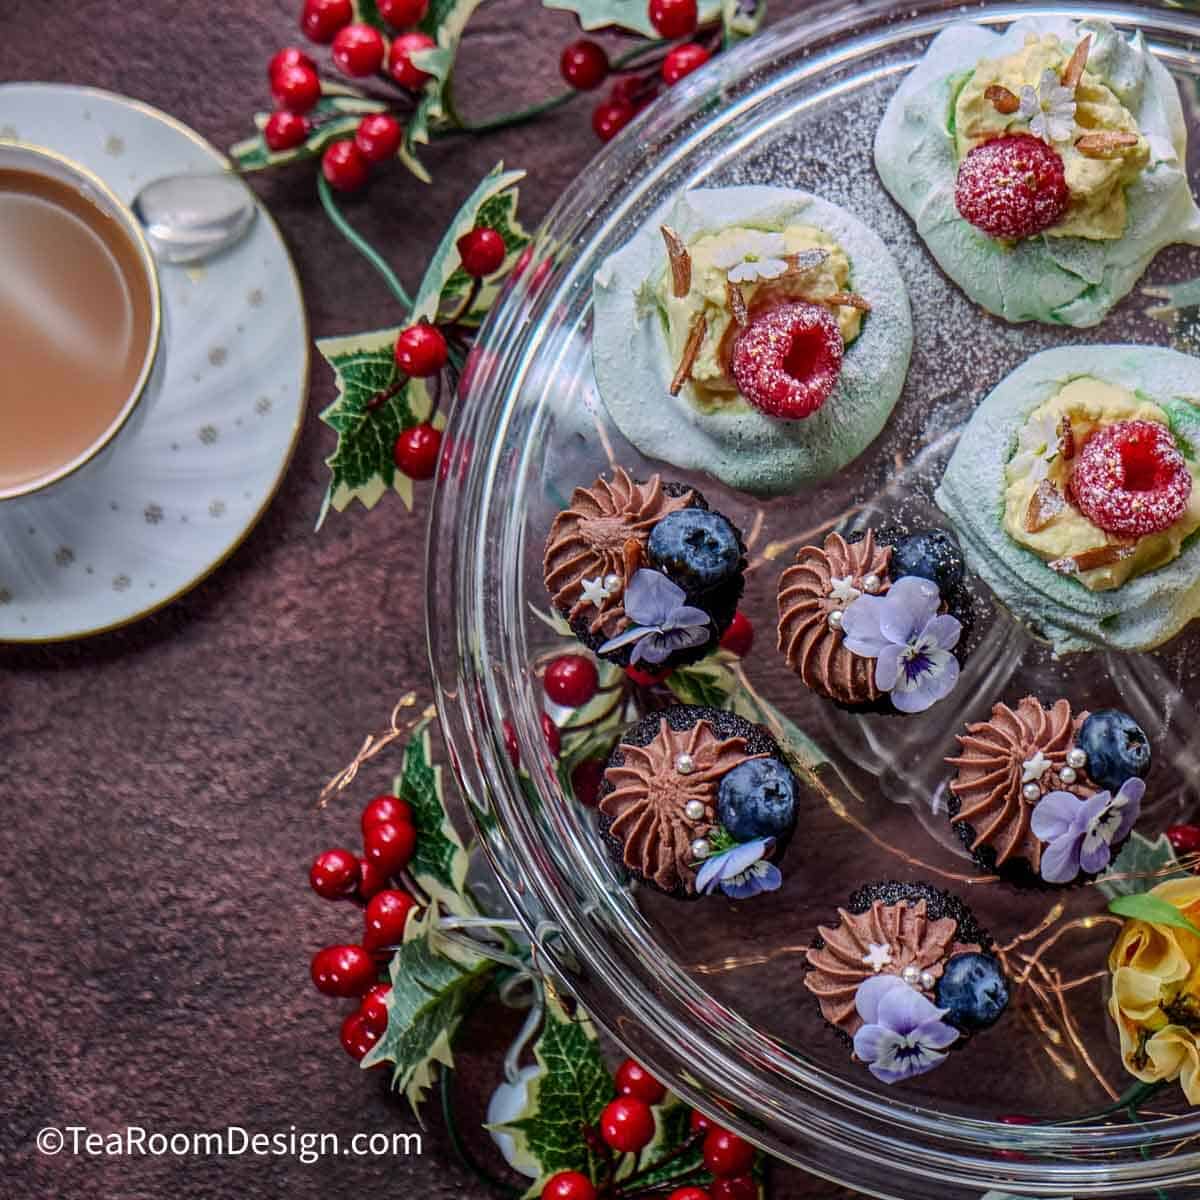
<point>182,488</point>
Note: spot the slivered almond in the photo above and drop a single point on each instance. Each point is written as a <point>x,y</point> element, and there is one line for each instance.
<point>1044,505</point>
<point>633,557</point>
<point>681,262</point>
<point>1100,145</point>
<point>849,300</point>
<point>1003,100</point>
<point>804,261</point>
<point>737,303</point>
<point>1066,439</point>
<point>691,351</point>
<point>1090,560</point>
<point>1073,71</point>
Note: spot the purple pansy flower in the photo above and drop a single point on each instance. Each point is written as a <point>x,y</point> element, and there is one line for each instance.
<point>663,623</point>
<point>1082,833</point>
<point>903,1033</point>
<point>741,871</point>
<point>910,641</point>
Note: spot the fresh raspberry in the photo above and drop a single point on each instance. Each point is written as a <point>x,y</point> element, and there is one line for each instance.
<point>1012,187</point>
<point>1130,479</point>
<point>787,360</point>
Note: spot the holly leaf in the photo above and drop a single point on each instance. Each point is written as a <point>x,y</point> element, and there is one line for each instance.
<point>366,12</point>
<point>741,19</point>
<point>498,212</point>
<point>632,15</point>
<point>708,683</point>
<point>1143,906</point>
<point>1150,862</point>
<point>570,1092</point>
<point>374,405</point>
<point>432,986</point>
<point>440,862</point>
<point>335,116</point>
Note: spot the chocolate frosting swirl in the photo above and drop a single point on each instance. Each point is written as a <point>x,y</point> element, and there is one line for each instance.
<point>904,930</point>
<point>814,650</point>
<point>990,782</point>
<point>587,541</point>
<point>650,796</point>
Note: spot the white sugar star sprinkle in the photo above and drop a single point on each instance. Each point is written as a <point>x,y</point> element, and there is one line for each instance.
<point>842,591</point>
<point>1034,768</point>
<point>878,956</point>
<point>595,591</point>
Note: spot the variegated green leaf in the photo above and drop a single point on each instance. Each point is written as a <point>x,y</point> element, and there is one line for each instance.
<point>1141,865</point>
<point>741,19</point>
<point>633,15</point>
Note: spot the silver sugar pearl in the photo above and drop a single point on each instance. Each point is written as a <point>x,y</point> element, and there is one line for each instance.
<point>612,583</point>
<point>685,764</point>
<point>1076,758</point>
<point>911,974</point>
<point>1067,775</point>
<point>701,848</point>
<point>1031,792</point>
<point>694,810</point>
<point>835,619</point>
<point>927,981</point>
<point>872,584</point>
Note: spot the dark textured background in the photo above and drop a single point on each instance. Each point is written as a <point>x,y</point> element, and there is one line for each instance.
<point>158,783</point>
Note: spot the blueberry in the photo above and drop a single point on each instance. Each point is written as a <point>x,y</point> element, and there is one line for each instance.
<point>974,990</point>
<point>757,799</point>
<point>1116,746</point>
<point>932,554</point>
<point>697,548</point>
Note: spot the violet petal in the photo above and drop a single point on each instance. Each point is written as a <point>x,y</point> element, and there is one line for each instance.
<point>910,604</point>
<point>1053,815</point>
<point>1060,860</point>
<point>860,626</point>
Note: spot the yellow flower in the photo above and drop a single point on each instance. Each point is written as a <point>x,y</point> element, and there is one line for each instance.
<point>1156,993</point>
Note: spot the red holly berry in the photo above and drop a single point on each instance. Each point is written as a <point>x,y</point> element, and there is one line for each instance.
<point>786,362</point>
<point>584,65</point>
<point>416,451</point>
<point>344,167</point>
<point>632,1079</point>
<point>610,118</point>
<point>378,136</point>
<point>739,637</point>
<point>1012,187</point>
<point>343,971</point>
<point>699,1123</point>
<point>402,13</point>
<point>568,1185</point>
<point>373,1008</point>
<point>390,845</point>
<point>321,19</point>
<point>371,879</point>
<point>1018,1119</point>
<point>385,808</point>
<point>357,1036</point>
<point>571,680</point>
<point>285,130</point>
<point>586,780</point>
<point>673,18</point>
<point>510,743</point>
<point>689,1193</point>
<point>627,1124</point>
<point>1131,480</point>
<point>683,60</point>
<point>727,1154</point>
<point>734,1187</point>
<point>1184,839</point>
<point>289,56</point>
<point>358,50</point>
<point>400,64</point>
<point>296,88</point>
<point>334,874</point>
<point>646,678</point>
<point>421,350</point>
<point>551,734</point>
<point>482,251</point>
<point>385,918</point>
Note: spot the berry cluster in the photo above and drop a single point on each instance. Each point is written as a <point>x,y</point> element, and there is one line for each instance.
<point>352,970</point>
<point>627,1126</point>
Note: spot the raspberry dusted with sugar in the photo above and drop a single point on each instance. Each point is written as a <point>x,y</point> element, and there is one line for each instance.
<point>1131,480</point>
<point>1012,187</point>
<point>788,358</point>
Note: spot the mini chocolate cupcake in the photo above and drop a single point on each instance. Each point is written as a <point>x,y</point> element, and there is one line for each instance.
<point>904,975</point>
<point>645,573</point>
<point>874,621</point>
<point>696,801</point>
<point>1047,796</point>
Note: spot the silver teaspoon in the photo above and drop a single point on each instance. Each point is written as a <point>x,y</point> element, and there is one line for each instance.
<point>190,217</point>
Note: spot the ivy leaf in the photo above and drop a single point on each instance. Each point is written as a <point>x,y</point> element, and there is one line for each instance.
<point>498,212</point>
<point>373,406</point>
<point>632,15</point>
<point>1153,909</point>
<point>570,1092</point>
<point>430,994</point>
<point>741,19</point>
<point>336,115</point>
<point>440,862</point>
<point>1141,856</point>
<point>708,683</point>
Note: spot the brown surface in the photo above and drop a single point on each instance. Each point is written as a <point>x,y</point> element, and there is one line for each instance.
<point>158,783</point>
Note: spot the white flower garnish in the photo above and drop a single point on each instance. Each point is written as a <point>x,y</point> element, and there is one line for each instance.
<point>1050,110</point>
<point>753,255</point>
<point>1032,769</point>
<point>877,956</point>
<point>1037,448</point>
<point>595,592</point>
<point>843,591</point>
